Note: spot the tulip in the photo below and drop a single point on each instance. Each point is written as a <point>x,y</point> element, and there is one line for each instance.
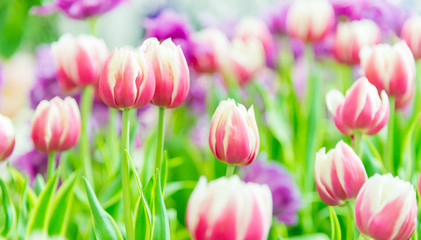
<point>127,80</point>
<point>7,137</point>
<point>390,68</point>
<point>310,21</point>
<point>79,60</point>
<point>351,37</point>
<point>339,174</point>
<point>233,136</point>
<point>361,110</point>
<point>386,208</point>
<point>210,45</point>
<point>228,208</point>
<point>56,125</point>
<point>172,76</point>
<point>254,28</point>
<point>411,33</point>
<point>244,60</point>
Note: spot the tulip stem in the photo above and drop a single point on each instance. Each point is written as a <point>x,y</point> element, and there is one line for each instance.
<point>160,143</point>
<point>356,141</point>
<point>51,165</point>
<point>112,137</point>
<point>230,170</point>
<point>389,146</point>
<point>350,227</point>
<point>86,108</point>
<point>125,174</point>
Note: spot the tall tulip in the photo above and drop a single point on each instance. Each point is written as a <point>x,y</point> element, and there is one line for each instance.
<point>411,33</point>
<point>350,37</point>
<point>310,21</point>
<point>79,60</point>
<point>228,208</point>
<point>7,137</point>
<point>339,174</point>
<point>361,110</point>
<point>233,136</point>
<point>390,68</point>
<point>386,208</point>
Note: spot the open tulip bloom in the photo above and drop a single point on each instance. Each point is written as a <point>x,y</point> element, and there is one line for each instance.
<point>299,121</point>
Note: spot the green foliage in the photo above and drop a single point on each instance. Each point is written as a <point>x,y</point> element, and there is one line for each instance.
<point>8,209</point>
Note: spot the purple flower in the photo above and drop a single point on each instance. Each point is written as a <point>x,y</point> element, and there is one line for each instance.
<point>285,194</point>
<point>77,9</point>
<point>276,17</point>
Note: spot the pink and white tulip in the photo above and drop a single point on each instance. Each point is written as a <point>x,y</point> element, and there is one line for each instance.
<point>245,59</point>
<point>56,125</point>
<point>310,21</point>
<point>361,110</point>
<point>127,80</point>
<point>254,28</point>
<point>339,174</point>
<point>228,208</point>
<point>411,33</point>
<point>210,47</point>
<point>7,137</point>
<point>386,208</point>
<point>79,60</point>
<point>350,37</point>
<point>233,136</point>
<point>172,77</point>
<point>390,68</point>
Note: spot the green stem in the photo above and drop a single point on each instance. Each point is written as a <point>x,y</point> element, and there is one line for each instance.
<point>51,165</point>
<point>160,143</point>
<point>125,174</point>
<point>92,25</point>
<point>112,136</point>
<point>230,170</point>
<point>389,146</point>
<point>357,144</point>
<point>350,227</point>
<point>86,108</point>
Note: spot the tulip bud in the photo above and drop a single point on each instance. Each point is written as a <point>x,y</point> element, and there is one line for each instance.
<point>233,136</point>
<point>172,76</point>
<point>7,137</point>
<point>386,208</point>
<point>56,125</point>
<point>228,208</point>
<point>210,45</point>
<point>361,110</point>
<point>411,33</point>
<point>244,60</point>
<point>310,21</point>
<point>254,28</point>
<point>339,174</point>
<point>127,80</point>
<point>79,60</point>
<point>390,68</point>
<point>351,37</point>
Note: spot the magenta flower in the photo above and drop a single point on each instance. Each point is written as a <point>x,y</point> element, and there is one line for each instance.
<point>7,137</point>
<point>77,9</point>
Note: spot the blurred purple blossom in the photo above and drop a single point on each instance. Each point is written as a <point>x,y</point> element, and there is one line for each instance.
<point>285,194</point>
<point>200,132</point>
<point>276,17</point>
<point>77,9</point>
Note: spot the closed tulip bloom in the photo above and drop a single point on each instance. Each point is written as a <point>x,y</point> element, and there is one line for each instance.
<point>227,209</point>
<point>386,208</point>
<point>254,28</point>
<point>233,136</point>
<point>361,110</point>
<point>350,37</point>
<point>127,80</point>
<point>7,137</point>
<point>390,68</point>
<point>209,48</point>
<point>172,77</point>
<point>56,125</point>
<point>310,21</point>
<point>411,33</point>
<point>339,174</point>
<point>79,60</point>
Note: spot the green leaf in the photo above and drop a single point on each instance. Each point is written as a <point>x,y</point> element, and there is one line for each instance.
<point>334,224</point>
<point>160,226</point>
<point>164,170</point>
<point>112,193</point>
<point>139,184</point>
<point>143,222</point>
<point>23,211</point>
<point>104,225</point>
<point>37,218</point>
<point>39,184</point>
<point>59,217</point>
<point>9,210</point>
